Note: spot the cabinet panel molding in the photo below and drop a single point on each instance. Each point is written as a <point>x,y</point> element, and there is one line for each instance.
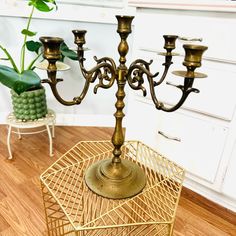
<point>199,5</point>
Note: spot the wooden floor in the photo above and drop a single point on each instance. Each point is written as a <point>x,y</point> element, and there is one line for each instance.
<point>21,206</point>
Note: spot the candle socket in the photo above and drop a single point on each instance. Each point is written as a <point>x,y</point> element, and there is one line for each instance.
<point>79,37</point>
<point>51,47</point>
<point>124,24</point>
<point>193,58</point>
<point>169,42</point>
<point>193,55</point>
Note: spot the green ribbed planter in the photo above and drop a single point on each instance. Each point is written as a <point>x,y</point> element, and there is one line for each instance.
<point>30,105</point>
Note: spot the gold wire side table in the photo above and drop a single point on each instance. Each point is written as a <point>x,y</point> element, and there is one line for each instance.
<point>72,209</point>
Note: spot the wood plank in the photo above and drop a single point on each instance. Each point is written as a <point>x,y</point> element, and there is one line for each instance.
<point>191,222</point>
<point>213,207</point>
<point>3,223</point>
<point>8,232</point>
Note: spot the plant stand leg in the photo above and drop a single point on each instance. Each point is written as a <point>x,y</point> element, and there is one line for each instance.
<point>19,134</point>
<point>8,142</point>
<point>53,129</point>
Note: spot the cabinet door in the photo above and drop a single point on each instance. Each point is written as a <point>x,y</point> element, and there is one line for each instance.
<point>194,144</point>
<point>228,187</point>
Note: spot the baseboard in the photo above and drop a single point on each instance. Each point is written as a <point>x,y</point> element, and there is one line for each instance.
<point>211,206</point>
<point>85,120</point>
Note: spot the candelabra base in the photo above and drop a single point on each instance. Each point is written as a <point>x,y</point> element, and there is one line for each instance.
<point>115,180</point>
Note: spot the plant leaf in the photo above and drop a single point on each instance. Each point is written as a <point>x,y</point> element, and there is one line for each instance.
<point>28,32</point>
<point>41,5</point>
<point>19,82</point>
<point>33,46</point>
<point>52,2</point>
<point>66,52</point>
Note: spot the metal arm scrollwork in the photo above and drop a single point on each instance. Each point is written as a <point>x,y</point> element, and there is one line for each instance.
<point>140,69</point>
<point>118,178</point>
<point>136,74</point>
<point>104,71</point>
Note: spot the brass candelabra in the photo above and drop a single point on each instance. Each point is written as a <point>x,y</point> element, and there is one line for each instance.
<point>117,178</point>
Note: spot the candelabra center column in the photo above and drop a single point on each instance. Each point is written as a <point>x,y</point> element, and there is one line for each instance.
<point>124,29</point>
<point>118,178</point>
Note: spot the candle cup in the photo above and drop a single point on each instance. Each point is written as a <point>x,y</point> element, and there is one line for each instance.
<point>169,42</point>
<point>193,55</point>
<point>51,47</point>
<point>79,37</point>
<point>124,24</point>
<point>192,60</point>
<point>52,52</point>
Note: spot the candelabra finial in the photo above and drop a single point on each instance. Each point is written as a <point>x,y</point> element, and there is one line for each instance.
<point>117,177</point>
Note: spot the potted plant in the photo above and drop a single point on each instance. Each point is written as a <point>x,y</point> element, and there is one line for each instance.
<point>28,94</point>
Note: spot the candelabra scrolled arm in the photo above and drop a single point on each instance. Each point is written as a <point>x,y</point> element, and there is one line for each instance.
<point>52,81</point>
<point>192,60</point>
<point>186,89</point>
<point>52,54</point>
<point>169,46</point>
<point>136,72</point>
<point>140,69</point>
<point>168,62</point>
<point>104,71</point>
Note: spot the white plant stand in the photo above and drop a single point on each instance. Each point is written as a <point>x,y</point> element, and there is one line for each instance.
<point>17,126</point>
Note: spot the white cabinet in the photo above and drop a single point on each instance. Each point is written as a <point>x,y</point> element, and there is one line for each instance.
<point>194,143</point>
<point>228,187</point>
<point>200,136</point>
<point>198,143</point>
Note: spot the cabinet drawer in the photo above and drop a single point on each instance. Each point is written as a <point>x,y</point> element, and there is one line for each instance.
<point>194,144</point>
